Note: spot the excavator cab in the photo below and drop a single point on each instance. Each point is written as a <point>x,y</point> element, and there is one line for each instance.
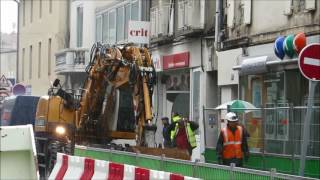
<point>56,113</point>
<point>54,126</point>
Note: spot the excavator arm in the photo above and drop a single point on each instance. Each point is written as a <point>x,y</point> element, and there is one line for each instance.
<point>127,68</point>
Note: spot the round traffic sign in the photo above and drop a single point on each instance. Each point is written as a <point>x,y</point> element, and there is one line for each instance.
<point>309,62</point>
<point>19,89</point>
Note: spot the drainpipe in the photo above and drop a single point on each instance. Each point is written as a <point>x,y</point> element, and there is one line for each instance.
<point>67,36</point>
<point>18,42</point>
<point>201,54</point>
<point>217,24</point>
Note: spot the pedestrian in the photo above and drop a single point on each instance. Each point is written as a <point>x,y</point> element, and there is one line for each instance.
<point>182,134</point>
<point>165,132</point>
<point>232,146</point>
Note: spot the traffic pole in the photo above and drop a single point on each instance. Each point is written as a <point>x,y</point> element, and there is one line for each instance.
<point>306,127</point>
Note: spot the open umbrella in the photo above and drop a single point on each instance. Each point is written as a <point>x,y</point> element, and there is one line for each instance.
<point>237,106</point>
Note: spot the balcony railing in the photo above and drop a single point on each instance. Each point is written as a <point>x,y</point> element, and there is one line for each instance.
<point>190,14</point>
<point>162,21</point>
<point>71,60</point>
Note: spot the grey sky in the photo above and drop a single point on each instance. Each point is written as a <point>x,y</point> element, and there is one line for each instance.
<point>8,16</point>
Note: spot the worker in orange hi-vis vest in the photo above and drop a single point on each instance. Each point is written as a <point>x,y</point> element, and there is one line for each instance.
<point>232,146</point>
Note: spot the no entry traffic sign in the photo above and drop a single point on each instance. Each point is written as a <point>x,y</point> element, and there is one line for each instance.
<point>309,62</point>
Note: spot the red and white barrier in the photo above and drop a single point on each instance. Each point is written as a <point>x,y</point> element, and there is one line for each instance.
<point>74,167</point>
<point>101,170</point>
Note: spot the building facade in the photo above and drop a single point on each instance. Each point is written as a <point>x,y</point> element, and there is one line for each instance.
<point>43,30</point>
<point>182,46</point>
<point>70,62</point>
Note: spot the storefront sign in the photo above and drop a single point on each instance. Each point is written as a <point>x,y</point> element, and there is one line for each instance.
<point>255,65</point>
<point>309,62</point>
<point>139,32</point>
<point>176,61</point>
<point>156,62</point>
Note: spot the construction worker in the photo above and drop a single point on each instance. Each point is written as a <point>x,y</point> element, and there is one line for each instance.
<point>165,132</point>
<point>175,118</point>
<point>182,134</point>
<point>232,144</point>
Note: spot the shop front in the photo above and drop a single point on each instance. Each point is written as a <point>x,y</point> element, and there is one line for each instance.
<point>178,89</point>
<point>280,92</point>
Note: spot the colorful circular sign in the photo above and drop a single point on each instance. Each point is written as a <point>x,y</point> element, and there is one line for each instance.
<point>278,47</point>
<point>299,42</point>
<point>309,62</point>
<point>288,46</point>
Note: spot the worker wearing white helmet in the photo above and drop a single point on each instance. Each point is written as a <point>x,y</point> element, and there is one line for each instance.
<point>232,144</point>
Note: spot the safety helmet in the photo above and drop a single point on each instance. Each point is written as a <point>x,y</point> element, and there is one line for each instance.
<point>231,116</point>
<point>176,118</point>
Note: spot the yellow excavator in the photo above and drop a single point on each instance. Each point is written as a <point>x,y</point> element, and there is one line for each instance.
<point>65,118</point>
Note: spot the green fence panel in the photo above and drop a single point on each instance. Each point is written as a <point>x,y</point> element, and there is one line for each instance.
<point>210,156</point>
<point>254,162</point>
<point>184,169</point>
<point>92,154</point>
<point>204,171</point>
<point>148,163</point>
<point>281,164</point>
<point>212,173</point>
<point>247,176</point>
<point>121,158</point>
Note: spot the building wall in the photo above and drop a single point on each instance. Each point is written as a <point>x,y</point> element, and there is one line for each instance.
<point>38,29</point>
<point>89,20</point>
<point>226,60</point>
<point>8,54</point>
<point>8,64</point>
<point>263,21</point>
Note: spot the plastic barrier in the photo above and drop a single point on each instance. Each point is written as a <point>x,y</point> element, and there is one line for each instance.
<point>154,174</point>
<point>74,167</point>
<point>58,165</point>
<point>88,169</point>
<point>142,174</point>
<point>101,170</point>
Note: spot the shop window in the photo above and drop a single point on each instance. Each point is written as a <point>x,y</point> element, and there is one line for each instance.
<point>112,27</point>
<point>120,24</point>
<point>284,114</point>
<point>276,118</point>
<point>115,22</point>
<point>105,25</point>
<point>126,20</point>
<point>135,11</point>
<point>99,29</point>
<point>256,95</point>
<point>79,26</point>
<point>178,93</point>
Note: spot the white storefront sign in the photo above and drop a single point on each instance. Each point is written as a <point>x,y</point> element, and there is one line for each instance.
<point>157,62</point>
<point>139,32</point>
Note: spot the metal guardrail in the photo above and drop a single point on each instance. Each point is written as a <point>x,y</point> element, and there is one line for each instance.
<point>232,171</point>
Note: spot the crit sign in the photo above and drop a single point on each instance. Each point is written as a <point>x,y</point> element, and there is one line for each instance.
<point>309,62</point>
<point>309,65</point>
